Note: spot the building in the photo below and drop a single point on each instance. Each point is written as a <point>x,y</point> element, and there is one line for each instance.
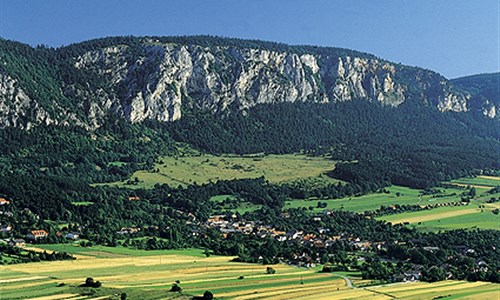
<point>17,242</point>
<point>37,234</point>
<point>72,236</point>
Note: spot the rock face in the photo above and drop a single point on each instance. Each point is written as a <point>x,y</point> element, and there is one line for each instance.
<point>158,80</point>
<point>16,107</point>
<point>485,93</point>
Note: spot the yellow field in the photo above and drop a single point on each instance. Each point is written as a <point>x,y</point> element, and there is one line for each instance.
<point>490,177</point>
<point>436,216</point>
<point>455,289</point>
<point>151,276</point>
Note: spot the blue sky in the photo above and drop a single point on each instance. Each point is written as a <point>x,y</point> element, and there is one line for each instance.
<point>453,37</point>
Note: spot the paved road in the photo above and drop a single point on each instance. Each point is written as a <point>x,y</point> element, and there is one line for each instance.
<point>347,281</point>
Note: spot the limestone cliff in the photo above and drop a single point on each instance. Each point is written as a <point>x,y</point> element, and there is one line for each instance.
<point>154,79</point>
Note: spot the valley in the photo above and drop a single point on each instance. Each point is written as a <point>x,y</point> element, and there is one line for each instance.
<point>250,169</point>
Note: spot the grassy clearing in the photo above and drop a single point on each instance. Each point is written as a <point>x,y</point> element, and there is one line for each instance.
<point>220,198</point>
<point>203,168</point>
<point>82,203</point>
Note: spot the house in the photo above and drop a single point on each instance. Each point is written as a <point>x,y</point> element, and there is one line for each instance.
<point>4,201</point>
<point>37,234</point>
<point>128,230</point>
<point>411,276</point>
<point>7,213</point>
<point>430,249</point>
<point>72,236</point>
<point>6,228</point>
<point>17,242</point>
<point>294,234</point>
<point>363,245</point>
<point>323,230</point>
<point>319,244</point>
<point>281,238</point>
<point>134,198</point>
<point>216,218</point>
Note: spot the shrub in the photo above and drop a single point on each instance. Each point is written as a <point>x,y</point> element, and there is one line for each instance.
<point>207,295</point>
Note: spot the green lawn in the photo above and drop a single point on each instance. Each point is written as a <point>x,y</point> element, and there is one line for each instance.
<point>203,168</point>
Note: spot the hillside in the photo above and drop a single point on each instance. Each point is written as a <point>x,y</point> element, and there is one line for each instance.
<point>160,78</point>
<point>99,110</point>
<point>484,90</point>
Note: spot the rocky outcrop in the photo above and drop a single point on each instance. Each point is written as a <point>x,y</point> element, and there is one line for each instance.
<point>156,80</point>
<point>17,109</point>
<point>484,92</point>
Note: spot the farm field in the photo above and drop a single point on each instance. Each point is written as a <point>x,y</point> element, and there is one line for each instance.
<point>448,289</point>
<point>143,276</point>
<point>203,168</point>
<point>479,214</point>
<point>449,218</point>
<point>151,276</point>
<point>398,195</point>
<point>479,182</point>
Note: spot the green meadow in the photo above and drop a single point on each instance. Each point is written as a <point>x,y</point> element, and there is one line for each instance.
<point>203,168</point>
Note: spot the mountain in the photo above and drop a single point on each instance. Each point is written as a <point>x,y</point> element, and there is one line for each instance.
<point>159,78</point>
<point>484,90</point>
<point>99,110</point>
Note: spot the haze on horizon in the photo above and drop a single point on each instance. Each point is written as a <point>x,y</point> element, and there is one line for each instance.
<point>453,37</point>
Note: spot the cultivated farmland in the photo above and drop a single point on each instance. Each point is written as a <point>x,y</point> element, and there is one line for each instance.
<point>151,274</point>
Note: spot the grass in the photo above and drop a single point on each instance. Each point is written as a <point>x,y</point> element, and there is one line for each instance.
<point>106,252</point>
<point>203,168</point>
<point>481,182</point>
<point>82,203</point>
<point>477,215</point>
<point>220,198</point>
<point>447,218</point>
<point>407,196</point>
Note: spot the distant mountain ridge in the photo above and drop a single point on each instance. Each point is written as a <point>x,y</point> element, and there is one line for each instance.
<point>484,90</point>
<point>159,78</point>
